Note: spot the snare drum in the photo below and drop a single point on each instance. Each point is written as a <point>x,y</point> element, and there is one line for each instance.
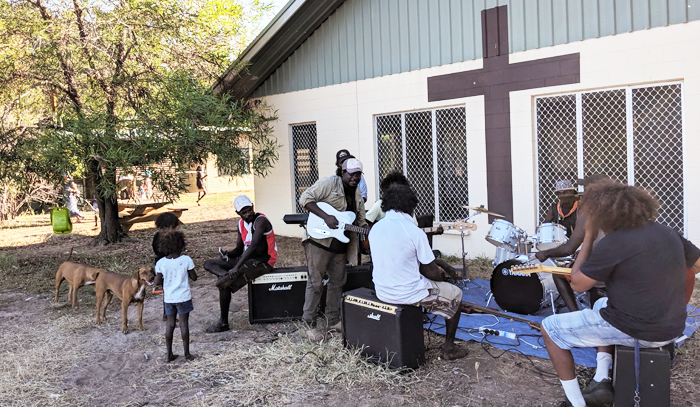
<point>504,234</point>
<point>521,293</point>
<point>549,236</point>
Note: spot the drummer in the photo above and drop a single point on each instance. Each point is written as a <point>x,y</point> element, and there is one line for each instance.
<point>578,227</point>
<point>565,211</point>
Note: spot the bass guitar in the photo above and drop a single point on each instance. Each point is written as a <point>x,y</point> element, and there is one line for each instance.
<point>469,307</point>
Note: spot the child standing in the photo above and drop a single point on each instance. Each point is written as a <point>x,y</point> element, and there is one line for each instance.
<point>164,222</point>
<point>172,271</point>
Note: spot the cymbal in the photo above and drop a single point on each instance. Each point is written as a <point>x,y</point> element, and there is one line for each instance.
<point>483,210</point>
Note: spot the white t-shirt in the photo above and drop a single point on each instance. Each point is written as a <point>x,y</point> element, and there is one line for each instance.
<point>398,248</point>
<point>176,284</point>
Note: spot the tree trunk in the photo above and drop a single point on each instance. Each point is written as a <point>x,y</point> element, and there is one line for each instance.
<point>110,229</point>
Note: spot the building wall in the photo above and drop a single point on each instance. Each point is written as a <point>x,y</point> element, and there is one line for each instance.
<point>364,39</point>
<point>344,115</point>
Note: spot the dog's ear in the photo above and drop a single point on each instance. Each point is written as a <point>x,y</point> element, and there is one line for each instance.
<point>135,279</point>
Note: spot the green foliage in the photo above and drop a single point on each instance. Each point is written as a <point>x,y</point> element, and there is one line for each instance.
<point>93,88</point>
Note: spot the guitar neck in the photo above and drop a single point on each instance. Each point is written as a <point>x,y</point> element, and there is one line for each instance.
<point>469,307</point>
<point>357,229</point>
<point>537,268</point>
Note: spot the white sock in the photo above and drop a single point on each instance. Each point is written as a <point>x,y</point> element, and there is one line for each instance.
<point>573,392</point>
<point>604,360</point>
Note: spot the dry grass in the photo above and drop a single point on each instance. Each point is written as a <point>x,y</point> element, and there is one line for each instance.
<point>34,361</point>
<point>286,369</point>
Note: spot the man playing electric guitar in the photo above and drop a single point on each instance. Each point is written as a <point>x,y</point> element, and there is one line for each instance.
<point>329,256</point>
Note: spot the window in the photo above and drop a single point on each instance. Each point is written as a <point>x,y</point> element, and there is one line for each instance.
<point>633,135</point>
<point>430,147</point>
<point>305,159</point>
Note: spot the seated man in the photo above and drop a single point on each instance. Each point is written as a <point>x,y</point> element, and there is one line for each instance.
<point>255,254</point>
<point>643,265</point>
<point>565,211</point>
<point>404,266</point>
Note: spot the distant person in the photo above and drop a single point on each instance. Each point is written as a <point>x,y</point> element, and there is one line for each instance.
<point>70,197</point>
<point>147,186</point>
<point>173,271</point>
<point>201,184</point>
<point>166,222</point>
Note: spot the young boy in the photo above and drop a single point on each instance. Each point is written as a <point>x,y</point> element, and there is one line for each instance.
<point>172,272</point>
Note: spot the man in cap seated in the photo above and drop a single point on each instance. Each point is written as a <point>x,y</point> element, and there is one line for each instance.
<point>255,254</point>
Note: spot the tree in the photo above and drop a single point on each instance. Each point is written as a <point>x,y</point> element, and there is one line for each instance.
<point>130,83</point>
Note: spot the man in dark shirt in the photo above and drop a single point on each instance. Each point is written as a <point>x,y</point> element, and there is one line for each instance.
<point>255,254</point>
<point>643,265</point>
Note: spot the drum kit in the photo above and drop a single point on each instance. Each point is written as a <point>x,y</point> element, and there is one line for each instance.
<point>517,292</point>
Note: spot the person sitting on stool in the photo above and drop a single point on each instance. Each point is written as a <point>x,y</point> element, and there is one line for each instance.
<point>643,265</point>
<point>255,254</point>
<point>404,269</point>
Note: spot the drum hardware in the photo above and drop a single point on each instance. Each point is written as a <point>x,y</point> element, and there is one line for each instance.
<point>483,210</point>
<point>549,236</point>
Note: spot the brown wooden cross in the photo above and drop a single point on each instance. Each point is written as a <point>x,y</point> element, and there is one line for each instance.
<point>495,81</point>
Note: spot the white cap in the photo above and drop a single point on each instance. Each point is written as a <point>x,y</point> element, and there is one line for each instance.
<point>352,165</point>
<point>241,202</point>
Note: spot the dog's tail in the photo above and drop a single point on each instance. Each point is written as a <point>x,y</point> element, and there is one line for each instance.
<point>70,254</point>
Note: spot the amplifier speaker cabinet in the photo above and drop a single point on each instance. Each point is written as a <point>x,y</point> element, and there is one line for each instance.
<point>386,332</point>
<point>654,377</point>
<point>277,296</point>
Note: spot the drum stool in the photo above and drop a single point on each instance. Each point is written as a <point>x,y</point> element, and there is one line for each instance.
<point>654,376</point>
<point>385,332</point>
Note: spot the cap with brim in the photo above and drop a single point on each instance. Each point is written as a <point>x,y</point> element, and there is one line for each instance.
<point>564,185</point>
<point>352,165</point>
<point>241,202</point>
<point>342,155</point>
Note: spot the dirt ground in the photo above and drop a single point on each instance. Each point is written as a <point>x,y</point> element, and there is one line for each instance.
<point>52,354</point>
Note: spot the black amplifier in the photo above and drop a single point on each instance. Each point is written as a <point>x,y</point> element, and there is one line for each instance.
<point>278,295</point>
<point>387,333</point>
<point>654,377</point>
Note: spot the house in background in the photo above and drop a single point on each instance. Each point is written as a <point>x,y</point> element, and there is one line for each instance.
<point>482,102</point>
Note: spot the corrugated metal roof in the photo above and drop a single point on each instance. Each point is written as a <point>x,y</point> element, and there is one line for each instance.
<point>369,38</point>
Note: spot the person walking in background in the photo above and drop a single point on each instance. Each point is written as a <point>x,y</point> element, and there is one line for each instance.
<point>201,184</point>
<point>70,198</point>
<point>147,185</point>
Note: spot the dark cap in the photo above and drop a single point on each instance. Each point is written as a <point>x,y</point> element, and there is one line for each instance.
<point>342,155</point>
<point>593,178</point>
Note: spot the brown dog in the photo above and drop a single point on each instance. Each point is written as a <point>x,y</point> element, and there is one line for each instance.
<point>77,276</point>
<point>127,288</point>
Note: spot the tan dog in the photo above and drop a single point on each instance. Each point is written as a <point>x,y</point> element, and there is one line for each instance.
<point>127,288</point>
<point>77,276</point>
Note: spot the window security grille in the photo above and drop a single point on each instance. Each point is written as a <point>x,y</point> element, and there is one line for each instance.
<point>633,135</point>
<point>430,148</point>
<point>305,159</point>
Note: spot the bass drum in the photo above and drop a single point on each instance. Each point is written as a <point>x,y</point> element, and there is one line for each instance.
<point>521,293</point>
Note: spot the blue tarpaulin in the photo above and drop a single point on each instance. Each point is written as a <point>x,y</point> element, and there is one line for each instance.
<point>529,340</point>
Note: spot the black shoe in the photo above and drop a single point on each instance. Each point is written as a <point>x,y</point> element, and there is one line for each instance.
<point>217,327</point>
<point>599,393</point>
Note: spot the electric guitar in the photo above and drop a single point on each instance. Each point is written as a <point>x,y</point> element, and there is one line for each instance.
<point>469,307</point>
<point>538,268</point>
<point>317,228</point>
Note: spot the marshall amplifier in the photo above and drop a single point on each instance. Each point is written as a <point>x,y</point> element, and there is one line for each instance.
<point>277,296</point>
<point>385,332</point>
<point>358,277</point>
<point>654,377</point>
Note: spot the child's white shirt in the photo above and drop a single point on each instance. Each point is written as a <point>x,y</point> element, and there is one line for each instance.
<point>176,285</point>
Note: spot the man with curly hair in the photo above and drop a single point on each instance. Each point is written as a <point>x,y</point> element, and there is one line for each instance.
<point>643,266</point>
<point>404,266</point>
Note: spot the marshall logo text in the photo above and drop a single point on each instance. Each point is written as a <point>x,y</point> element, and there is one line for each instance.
<point>374,316</point>
<point>276,287</point>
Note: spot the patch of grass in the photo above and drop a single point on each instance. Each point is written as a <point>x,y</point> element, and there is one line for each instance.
<point>288,368</point>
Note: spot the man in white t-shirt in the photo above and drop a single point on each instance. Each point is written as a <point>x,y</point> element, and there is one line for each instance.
<point>404,266</point>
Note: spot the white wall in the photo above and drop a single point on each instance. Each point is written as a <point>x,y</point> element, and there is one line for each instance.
<point>344,116</point>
